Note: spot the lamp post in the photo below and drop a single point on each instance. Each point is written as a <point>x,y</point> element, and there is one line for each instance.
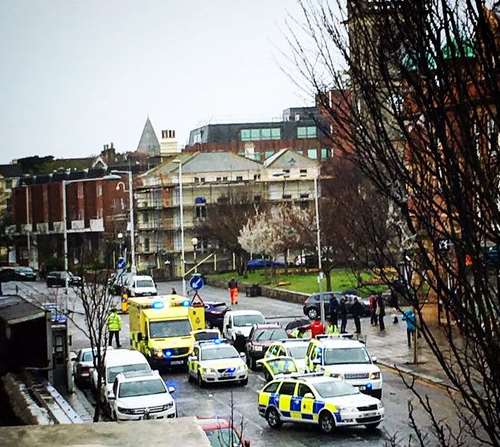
<point>28,232</point>
<point>194,241</point>
<point>181,205</point>
<point>65,227</point>
<point>133,267</point>
<point>318,244</point>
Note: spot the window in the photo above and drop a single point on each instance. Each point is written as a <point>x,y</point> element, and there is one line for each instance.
<point>286,171</point>
<point>224,179</point>
<point>257,199</point>
<point>325,153</point>
<point>202,179</point>
<point>146,245</point>
<point>303,390</point>
<point>256,176</point>
<point>269,154</point>
<point>275,134</point>
<point>287,196</point>
<point>265,134</point>
<point>99,190</point>
<point>145,218</point>
<point>260,134</point>
<point>201,211</point>
<point>303,172</point>
<point>287,388</point>
<point>239,178</point>
<point>304,195</point>
<point>255,134</point>
<point>196,180</point>
<point>218,179</point>
<point>312,153</point>
<point>245,135</point>
<point>306,132</point>
<point>271,388</point>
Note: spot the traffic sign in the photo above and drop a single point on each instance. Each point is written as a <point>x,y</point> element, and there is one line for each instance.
<point>196,282</point>
<point>120,264</point>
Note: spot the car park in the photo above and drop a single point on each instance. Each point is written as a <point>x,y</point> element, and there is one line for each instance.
<point>346,359</point>
<point>141,286</point>
<point>216,361</point>
<point>24,274</point>
<point>221,433</point>
<point>290,347</point>
<point>312,305</point>
<point>117,361</point>
<point>317,399</point>
<point>59,279</point>
<point>260,338</point>
<point>241,322</point>
<point>214,314</point>
<point>141,395</point>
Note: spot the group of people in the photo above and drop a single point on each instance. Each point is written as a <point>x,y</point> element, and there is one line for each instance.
<point>339,310</point>
<point>377,311</point>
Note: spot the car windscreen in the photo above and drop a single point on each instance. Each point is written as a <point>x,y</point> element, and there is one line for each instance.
<point>223,437</point>
<point>221,352</point>
<point>203,336</point>
<point>24,269</point>
<point>298,352</point>
<point>282,366</point>
<point>170,328</point>
<point>269,334</point>
<point>141,388</point>
<point>87,356</point>
<point>144,283</point>
<point>335,389</point>
<point>341,356</point>
<point>247,320</point>
<point>113,371</point>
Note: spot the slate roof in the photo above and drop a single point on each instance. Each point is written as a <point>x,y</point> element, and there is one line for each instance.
<point>149,141</point>
<point>219,162</point>
<point>14,309</point>
<point>10,171</point>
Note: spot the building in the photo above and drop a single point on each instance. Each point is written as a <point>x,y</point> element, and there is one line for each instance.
<point>300,129</point>
<point>151,147</point>
<point>208,177</point>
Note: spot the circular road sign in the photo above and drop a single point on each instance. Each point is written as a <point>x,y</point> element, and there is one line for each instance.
<point>196,282</point>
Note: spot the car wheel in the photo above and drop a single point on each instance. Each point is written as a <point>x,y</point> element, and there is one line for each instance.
<point>273,418</point>
<point>190,378</point>
<point>372,427</point>
<point>253,363</point>
<point>244,381</point>
<point>201,382</point>
<point>326,422</point>
<point>312,313</point>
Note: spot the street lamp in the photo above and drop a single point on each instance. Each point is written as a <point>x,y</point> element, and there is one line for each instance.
<point>65,218</point>
<point>133,268</point>
<point>318,244</point>
<point>181,205</point>
<point>194,241</point>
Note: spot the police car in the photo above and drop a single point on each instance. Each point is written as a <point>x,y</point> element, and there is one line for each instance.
<point>345,359</point>
<point>216,361</point>
<point>318,399</point>
<point>290,347</point>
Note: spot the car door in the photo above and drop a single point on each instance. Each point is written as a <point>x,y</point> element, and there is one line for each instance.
<point>278,366</point>
<point>306,397</point>
<point>286,392</point>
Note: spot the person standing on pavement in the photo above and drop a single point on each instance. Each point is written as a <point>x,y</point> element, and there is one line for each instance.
<point>334,304</point>
<point>372,302</point>
<point>409,317</point>
<point>233,291</point>
<point>114,327</point>
<point>317,328</point>
<point>356,311</point>
<point>343,315</point>
<point>381,312</point>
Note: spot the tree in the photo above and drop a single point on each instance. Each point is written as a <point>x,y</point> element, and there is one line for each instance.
<point>421,81</point>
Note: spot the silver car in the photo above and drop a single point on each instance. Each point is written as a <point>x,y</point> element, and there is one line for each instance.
<point>83,365</point>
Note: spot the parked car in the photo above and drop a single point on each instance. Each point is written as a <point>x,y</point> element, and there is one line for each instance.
<point>83,364</point>
<point>24,274</point>
<point>221,432</point>
<point>58,279</point>
<point>141,395</point>
<point>260,338</point>
<point>240,322</point>
<point>141,286</point>
<point>312,305</point>
<point>214,314</point>
<point>255,264</point>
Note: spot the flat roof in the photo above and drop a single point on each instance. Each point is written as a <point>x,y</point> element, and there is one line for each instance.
<point>184,431</point>
<point>15,309</point>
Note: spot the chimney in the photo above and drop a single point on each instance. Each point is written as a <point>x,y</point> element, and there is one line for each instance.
<point>168,143</point>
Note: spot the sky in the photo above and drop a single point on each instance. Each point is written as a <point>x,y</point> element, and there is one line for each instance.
<point>76,75</point>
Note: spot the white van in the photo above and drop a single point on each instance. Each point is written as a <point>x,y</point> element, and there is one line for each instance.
<point>141,286</point>
<point>117,361</point>
<point>241,322</point>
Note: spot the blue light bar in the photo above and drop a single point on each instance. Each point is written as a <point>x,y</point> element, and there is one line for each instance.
<point>186,303</point>
<point>231,370</point>
<point>158,305</point>
<point>168,353</point>
<point>217,341</point>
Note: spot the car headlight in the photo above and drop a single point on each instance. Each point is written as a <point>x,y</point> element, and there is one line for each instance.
<point>337,375</point>
<point>158,353</point>
<point>125,410</point>
<point>167,406</point>
<point>242,368</point>
<point>374,376</point>
<point>380,406</point>
<point>209,371</point>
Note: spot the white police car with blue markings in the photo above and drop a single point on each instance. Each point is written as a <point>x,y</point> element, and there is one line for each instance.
<point>215,361</point>
<point>318,399</point>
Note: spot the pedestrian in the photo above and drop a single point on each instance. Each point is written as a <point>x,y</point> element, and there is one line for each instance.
<point>356,310</point>
<point>174,292</point>
<point>317,328</point>
<point>332,330</point>
<point>233,291</point>
<point>114,327</point>
<point>409,317</point>
<point>372,303</point>
<point>334,304</point>
<point>381,312</point>
<point>343,315</point>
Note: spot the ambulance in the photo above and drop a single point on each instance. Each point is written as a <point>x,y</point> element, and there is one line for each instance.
<point>162,328</point>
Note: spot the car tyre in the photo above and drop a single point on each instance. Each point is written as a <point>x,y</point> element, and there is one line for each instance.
<point>244,381</point>
<point>201,382</point>
<point>312,313</point>
<point>190,378</point>
<point>372,427</point>
<point>326,422</point>
<point>273,418</point>
<point>253,363</point>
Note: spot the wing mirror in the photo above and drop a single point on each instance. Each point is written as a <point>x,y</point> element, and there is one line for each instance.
<point>171,389</point>
<point>243,356</point>
<point>374,359</point>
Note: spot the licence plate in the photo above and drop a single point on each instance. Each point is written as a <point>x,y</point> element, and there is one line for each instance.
<point>370,414</point>
<point>228,375</point>
<point>176,362</point>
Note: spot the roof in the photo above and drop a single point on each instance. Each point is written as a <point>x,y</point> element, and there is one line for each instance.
<point>338,342</point>
<point>287,158</point>
<point>132,376</point>
<point>118,356</point>
<point>244,312</point>
<point>149,141</point>
<point>10,171</point>
<point>219,162</point>
<point>15,309</point>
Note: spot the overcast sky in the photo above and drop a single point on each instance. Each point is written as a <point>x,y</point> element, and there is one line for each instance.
<point>78,74</point>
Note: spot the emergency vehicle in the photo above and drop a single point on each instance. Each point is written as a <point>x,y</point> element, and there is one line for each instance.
<point>290,347</point>
<point>318,399</point>
<point>161,328</point>
<point>217,361</point>
<point>345,359</point>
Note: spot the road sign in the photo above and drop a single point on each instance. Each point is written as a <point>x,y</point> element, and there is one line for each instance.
<point>196,282</point>
<point>120,264</point>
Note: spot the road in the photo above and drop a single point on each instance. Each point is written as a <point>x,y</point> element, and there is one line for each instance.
<point>216,400</point>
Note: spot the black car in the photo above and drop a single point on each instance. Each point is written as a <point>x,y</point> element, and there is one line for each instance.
<point>214,314</point>
<point>24,274</point>
<point>261,337</point>
<point>58,279</point>
<point>312,304</point>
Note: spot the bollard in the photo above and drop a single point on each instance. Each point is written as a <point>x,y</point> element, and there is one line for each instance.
<point>124,303</point>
